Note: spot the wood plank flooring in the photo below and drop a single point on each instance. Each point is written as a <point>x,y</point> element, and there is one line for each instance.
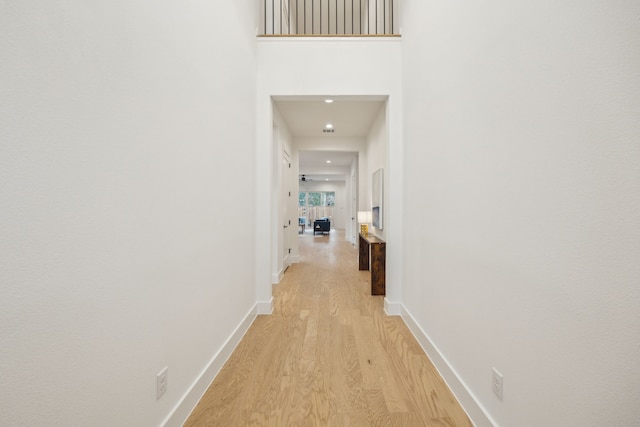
<point>328,356</point>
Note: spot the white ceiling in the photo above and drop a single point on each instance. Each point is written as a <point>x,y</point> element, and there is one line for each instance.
<point>350,117</point>
<point>313,164</point>
<point>307,117</point>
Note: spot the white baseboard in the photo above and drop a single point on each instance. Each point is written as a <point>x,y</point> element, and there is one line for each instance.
<point>295,259</point>
<point>392,308</point>
<point>476,411</point>
<point>265,307</point>
<point>277,277</point>
<point>182,410</point>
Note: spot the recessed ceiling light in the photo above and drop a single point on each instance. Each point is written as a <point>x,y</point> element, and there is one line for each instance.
<point>328,101</point>
<point>328,161</point>
<point>329,126</point>
<point>326,179</point>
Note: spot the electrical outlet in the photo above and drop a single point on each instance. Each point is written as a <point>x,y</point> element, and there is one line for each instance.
<point>496,384</point>
<point>161,382</point>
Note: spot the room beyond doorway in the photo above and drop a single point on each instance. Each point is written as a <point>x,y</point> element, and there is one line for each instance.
<point>360,130</point>
<point>314,205</point>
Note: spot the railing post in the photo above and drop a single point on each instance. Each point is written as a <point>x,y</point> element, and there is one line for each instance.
<point>392,7</point>
<point>313,20</point>
<point>376,16</point>
<point>366,12</point>
<point>352,27</point>
<point>360,16</point>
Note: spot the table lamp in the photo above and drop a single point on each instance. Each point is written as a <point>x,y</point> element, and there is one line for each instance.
<point>364,219</point>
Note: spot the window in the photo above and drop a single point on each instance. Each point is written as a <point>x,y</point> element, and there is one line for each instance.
<point>316,204</point>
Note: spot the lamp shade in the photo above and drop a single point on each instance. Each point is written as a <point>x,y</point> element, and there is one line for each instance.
<point>364,217</point>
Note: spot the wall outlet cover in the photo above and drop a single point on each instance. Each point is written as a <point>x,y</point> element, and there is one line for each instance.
<point>497,383</point>
<point>161,382</point>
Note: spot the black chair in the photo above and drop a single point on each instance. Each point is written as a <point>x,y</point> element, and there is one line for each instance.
<point>321,225</point>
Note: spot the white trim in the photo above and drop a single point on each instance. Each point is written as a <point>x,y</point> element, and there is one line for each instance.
<point>477,413</point>
<point>474,409</point>
<point>277,277</point>
<point>190,399</point>
<point>295,259</point>
<point>392,308</point>
<point>265,307</point>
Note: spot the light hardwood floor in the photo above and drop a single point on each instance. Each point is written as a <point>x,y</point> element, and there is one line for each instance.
<point>328,356</point>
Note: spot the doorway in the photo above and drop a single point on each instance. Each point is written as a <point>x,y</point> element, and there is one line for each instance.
<point>362,128</point>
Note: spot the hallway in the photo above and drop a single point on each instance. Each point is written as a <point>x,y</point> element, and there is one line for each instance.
<point>327,356</point>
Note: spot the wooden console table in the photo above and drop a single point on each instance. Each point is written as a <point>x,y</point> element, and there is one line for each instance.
<point>373,248</point>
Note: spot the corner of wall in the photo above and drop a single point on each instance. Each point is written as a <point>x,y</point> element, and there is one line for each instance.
<point>190,399</point>
<point>265,307</point>
<point>392,308</point>
<point>471,405</point>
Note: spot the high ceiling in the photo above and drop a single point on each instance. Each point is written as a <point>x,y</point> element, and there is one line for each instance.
<point>308,117</point>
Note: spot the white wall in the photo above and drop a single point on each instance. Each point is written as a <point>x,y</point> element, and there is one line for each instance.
<point>351,184</point>
<point>377,147</point>
<point>522,131</point>
<point>292,67</point>
<point>127,191</point>
<point>329,143</point>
